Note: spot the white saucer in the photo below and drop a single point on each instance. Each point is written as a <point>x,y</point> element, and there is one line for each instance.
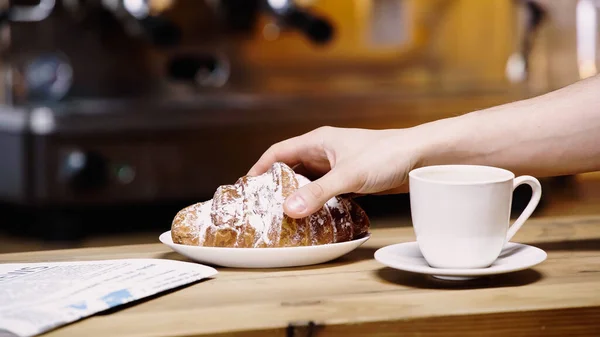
<point>407,256</point>
<point>263,257</point>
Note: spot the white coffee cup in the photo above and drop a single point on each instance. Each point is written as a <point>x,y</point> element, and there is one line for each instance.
<point>461,213</point>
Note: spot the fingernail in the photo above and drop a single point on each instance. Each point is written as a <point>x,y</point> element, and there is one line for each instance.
<point>296,204</point>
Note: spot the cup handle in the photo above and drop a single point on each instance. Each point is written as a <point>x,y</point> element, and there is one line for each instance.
<point>533,202</point>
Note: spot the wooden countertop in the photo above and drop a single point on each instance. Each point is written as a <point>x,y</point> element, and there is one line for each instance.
<point>358,296</point>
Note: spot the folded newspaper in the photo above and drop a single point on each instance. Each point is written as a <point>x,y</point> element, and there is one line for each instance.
<point>38,297</point>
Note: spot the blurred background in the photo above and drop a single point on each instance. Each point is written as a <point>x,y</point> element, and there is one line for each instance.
<point>115,114</point>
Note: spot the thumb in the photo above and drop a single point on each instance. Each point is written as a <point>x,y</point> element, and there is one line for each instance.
<point>312,196</point>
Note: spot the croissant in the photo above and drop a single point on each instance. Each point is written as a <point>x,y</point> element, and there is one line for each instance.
<point>250,214</point>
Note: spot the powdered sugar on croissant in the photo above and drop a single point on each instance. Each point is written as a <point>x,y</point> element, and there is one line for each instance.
<point>250,213</point>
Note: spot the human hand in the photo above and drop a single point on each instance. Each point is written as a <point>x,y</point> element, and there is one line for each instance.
<point>357,161</point>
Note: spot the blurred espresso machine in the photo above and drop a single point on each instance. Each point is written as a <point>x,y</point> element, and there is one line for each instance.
<point>126,102</point>
<point>117,103</point>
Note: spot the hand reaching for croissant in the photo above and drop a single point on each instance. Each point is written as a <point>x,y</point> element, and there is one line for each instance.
<point>553,134</point>
<point>357,161</point>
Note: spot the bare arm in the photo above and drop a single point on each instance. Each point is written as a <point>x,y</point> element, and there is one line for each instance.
<point>553,134</point>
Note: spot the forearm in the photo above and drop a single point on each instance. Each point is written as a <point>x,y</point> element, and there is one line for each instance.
<point>554,134</point>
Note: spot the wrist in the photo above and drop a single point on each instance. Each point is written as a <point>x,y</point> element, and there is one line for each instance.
<point>482,137</point>
<point>452,140</point>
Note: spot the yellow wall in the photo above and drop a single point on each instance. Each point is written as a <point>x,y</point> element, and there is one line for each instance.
<point>471,38</point>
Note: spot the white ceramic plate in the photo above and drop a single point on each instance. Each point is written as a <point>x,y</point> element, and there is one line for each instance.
<point>407,256</point>
<point>263,257</point>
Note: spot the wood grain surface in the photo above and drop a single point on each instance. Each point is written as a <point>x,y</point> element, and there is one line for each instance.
<point>357,296</point>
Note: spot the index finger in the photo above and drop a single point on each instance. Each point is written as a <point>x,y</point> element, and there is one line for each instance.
<point>289,151</point>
